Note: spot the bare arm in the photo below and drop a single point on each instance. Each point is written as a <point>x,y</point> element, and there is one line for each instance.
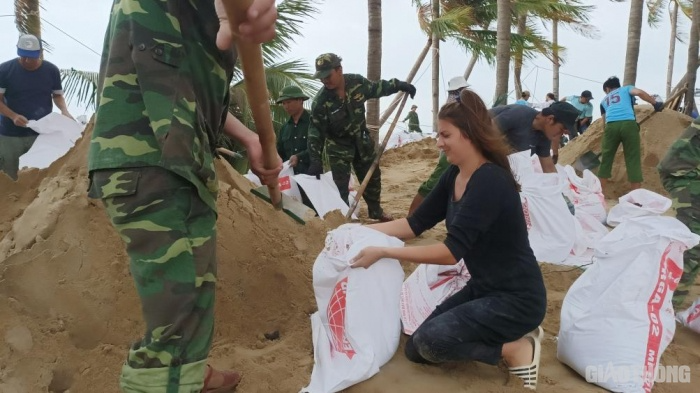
<point>18,119</point>
<point>396,228</point>
<point>60,102</point>
<point>547,165</point>
<point>238,131</point>
<point>434,254</point>
<point>643,95</point>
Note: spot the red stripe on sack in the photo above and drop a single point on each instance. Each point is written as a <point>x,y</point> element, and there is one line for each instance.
<point>667,280</point>
<point>336,319</point>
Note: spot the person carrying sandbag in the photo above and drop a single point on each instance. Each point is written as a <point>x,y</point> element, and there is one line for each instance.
<point>493,316</point>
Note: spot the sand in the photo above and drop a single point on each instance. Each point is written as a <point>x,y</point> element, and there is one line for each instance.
<point>657,134</point>
<point>68,308</point>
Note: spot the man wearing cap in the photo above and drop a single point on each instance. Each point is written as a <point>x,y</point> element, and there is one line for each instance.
<point>413,123</point>
<point>617,110</point>
<point>340,126</point>
<point>583,104</point>
<point>28,85</point>
<point>292,142</point>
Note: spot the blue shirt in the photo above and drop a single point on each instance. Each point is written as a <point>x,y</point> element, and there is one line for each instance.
<point>28,93</point>
<point>618,105</point>
<point>585,109</point>
<point>522,102</point>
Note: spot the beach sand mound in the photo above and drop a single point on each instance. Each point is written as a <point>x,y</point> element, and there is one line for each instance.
<point>68,308</point>
<point>657,135</point>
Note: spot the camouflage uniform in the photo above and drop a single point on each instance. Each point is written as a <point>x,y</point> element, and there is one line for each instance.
<point>680,175</point>
<point>340,127</point>
<point>292,141</point>
<point>162,102</point>
<point>413,122</point>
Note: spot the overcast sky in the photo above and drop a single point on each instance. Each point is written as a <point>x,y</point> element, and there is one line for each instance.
<point>341,27</point>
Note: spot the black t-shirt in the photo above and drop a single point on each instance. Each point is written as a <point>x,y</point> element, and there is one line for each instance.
<point>487,229</point>
<point>515,121</point>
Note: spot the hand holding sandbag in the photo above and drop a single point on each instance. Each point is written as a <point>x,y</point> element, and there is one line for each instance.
<point>315,169</point>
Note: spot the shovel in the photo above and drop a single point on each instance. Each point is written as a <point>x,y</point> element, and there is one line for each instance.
<point>256,90</point>
<point>590,160</point>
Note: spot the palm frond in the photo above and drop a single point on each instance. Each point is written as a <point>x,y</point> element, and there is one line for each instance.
<point>80,86</point>
<point>291,16</point>
<point>28,19</point>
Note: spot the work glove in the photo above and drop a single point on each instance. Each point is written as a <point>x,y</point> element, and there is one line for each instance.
<point>407,88</point>
<point>658,106</point>
<point>315,169</point>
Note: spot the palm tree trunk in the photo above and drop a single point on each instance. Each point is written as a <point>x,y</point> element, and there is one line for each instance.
<point>374,63</point>
<point>27,17</point>
<point>502,52</point>
<point>518,58</point>
<point>409,79</point>
<point>634,34</point>
<point>555,56</point>
<point>692,58</point>
<point>470,67</point>
<point>436,66</point>
<point>672,47</point>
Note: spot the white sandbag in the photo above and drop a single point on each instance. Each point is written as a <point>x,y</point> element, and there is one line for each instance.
<point>691,316</point>
<point>638,203</point>
<point>358,325</point>
<point>587,193</point>
<point>520,165</point>
<point>589,231</point>
<point>551,227</point>
<point>618,314</point>
<point>426,288</point>
<point>323,194</point>
<point>288,185</point>
<point>57,135</point>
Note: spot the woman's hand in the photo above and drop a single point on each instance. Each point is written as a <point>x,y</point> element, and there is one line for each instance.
<point>258,26</point>
<point>367,257</point>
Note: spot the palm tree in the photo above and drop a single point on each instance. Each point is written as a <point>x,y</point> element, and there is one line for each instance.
<point>502,51</point>
<point>656,8</point>
<point>634,33</point>
<point>435,14</point>
<point>374,62</point>
<point>27,17</point>
<point>692,58</point>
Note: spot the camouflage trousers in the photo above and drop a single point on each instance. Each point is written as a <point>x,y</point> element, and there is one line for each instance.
<point>170,237</point>
<point>360,156</point>
<point>429,184</point>
<point>685,194</point>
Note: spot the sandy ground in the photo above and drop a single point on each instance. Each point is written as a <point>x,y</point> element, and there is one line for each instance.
<point>68,309</point>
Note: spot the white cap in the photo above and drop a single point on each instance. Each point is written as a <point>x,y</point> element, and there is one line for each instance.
<point>457,83</point>
<point>28,46</point>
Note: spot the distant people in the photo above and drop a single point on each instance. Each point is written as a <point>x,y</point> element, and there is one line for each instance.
<point>524,97</point>
<point>548,100</point>
<point>583,104</point>
<point>621,126</point>
<point>28,85</point>
<point>413,122</point>
<point>340,128</point>
<point>455,86</point>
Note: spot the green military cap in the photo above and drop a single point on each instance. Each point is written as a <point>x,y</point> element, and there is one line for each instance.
<point>291,92</point>
<point>325,63</point>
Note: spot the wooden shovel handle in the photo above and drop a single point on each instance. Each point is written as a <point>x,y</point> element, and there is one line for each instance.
<point>256,90</point>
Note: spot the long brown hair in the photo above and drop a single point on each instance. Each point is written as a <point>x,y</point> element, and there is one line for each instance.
<point>472,118</point>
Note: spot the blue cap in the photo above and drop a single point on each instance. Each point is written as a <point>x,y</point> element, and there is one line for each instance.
<point>29,46</point>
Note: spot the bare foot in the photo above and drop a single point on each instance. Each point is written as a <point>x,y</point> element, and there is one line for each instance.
<point>519,353</point>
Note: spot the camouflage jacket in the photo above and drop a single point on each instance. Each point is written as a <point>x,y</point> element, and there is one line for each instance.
<point>344,121</point>
<point>292,141</point>
<point>163,90</point>
<point>683,157</point>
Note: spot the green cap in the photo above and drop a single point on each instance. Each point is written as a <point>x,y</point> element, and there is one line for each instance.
<point>325,64</point>
<point>291,92</point>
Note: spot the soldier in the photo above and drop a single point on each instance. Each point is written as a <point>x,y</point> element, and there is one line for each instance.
<point>163,100</point>
<point>413,122</point>
<point>292,143</point>
<point>680,171</point>
<point>338,116</point>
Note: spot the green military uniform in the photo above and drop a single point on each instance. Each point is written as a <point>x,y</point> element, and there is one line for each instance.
<point>292,137</point>
<point>340,127</point>
<point>429,184</point>
<point>680,176</point>
<point>163,98</point>
<point>413,122</point>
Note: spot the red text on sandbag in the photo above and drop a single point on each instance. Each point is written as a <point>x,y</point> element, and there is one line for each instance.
<point>336,319</point>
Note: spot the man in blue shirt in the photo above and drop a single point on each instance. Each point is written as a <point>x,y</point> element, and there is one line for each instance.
<point>28,85</point>
<point>583,104</point>
<point>617,109</point>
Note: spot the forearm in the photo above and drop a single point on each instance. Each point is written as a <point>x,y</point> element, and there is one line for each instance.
<point>434,254</point>
<point>5,110</point>
<point>233,128</point>
<point>548,165</point>
<point>396,228</point>
<point>60,102</point>
<point>644,96</point>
